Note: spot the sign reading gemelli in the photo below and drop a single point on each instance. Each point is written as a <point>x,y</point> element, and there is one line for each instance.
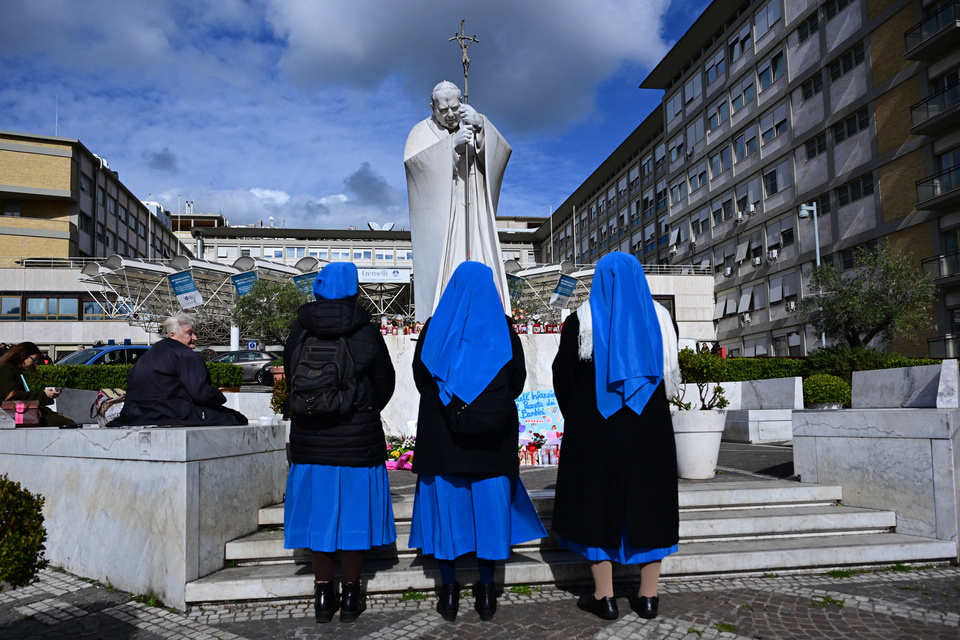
<point>391,275</point>
<point>185,289</point>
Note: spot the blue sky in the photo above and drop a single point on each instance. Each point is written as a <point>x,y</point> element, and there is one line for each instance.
<point>299,109</point>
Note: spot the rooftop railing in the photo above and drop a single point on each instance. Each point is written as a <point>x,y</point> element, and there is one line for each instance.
<point>945,17</point>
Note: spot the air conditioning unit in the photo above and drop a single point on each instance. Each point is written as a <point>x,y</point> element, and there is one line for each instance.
<point>745,318</point>
<point>693,241</point>
<point>757,261</point>
<point>773,254</point>
<point>673,249</point>
<point>739,216</point>
<point>791,305</point>
<point>752,208</point>
<point>689,153</point>
<point>728,271</point>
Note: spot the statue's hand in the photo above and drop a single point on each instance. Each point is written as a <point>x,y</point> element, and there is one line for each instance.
<point>469,116</point>
<point>463,137</point>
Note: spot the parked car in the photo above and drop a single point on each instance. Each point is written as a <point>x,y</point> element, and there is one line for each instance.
<point>108,354</point>
<point>254,364</point>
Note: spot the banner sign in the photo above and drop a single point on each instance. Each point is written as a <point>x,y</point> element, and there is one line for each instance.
<point>392,275</point>
<point>243,282</point>
<point>185,289</point>
<point>514,287</point>
<point>561,295</point>
<point>304,282</point>
<point>539,413</point>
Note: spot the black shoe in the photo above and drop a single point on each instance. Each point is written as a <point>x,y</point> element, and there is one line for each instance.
<point>449,602</point>
<point>605,608</point>
<point>486,605</point>
<point>352,602</point>
<point>325,602</point>
<point>646,607</point>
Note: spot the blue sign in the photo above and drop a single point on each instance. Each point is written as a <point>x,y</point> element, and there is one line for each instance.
<point>252,345</point>
<point>243,282</point>
<point>304,282</point>
<point>561,295</point>
<point>185,289</point>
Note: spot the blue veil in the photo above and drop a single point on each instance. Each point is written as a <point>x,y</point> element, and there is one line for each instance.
<point>336,281</point>
<point>469,339</point>
<point>627,344</point>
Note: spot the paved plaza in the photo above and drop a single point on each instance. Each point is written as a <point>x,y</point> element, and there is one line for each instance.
<point>899,602</point>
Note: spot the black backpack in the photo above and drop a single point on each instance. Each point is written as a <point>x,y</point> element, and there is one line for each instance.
<point>324,382</point>
<point>492,412</point>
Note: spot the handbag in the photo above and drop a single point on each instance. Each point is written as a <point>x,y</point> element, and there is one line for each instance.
<point>25,413</point>
<point>108,405</point>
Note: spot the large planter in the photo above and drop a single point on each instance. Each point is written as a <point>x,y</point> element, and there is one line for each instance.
<point>278,373</point>
<point>698,434</point>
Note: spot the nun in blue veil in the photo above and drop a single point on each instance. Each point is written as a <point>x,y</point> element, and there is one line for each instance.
<point>469,496</point>
<point>616,495</point>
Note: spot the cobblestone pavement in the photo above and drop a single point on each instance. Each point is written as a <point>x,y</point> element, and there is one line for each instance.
<point>899,603</point>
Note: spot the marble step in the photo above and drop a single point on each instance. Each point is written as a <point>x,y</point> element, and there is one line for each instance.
<point>267,545</point>
<point>280,581</point>
<point>720,495</point>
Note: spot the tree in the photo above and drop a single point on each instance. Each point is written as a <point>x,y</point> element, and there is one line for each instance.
<point>884,295</point>
<point>267,310</point>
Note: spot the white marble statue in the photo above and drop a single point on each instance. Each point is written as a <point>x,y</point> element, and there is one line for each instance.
<point>455,162</point>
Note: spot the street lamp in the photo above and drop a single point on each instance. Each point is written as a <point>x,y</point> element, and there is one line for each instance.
<point>810,210</point>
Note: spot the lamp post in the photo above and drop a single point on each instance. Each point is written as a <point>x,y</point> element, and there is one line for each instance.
<point>811,210</point>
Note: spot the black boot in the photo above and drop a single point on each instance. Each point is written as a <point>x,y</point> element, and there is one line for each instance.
<point>449,601</point>
<point>352,602</point>
<point>486,605</point>
<point>325,601</point>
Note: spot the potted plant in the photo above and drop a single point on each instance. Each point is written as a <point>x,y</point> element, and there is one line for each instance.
<point>276,368</point>
<point>698,431</point>
<point>824,391</point>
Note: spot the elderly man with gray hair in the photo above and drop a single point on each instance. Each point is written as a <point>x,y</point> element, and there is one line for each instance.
<point>170,384</point>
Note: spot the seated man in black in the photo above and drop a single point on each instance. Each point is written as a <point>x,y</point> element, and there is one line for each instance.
<point>170,384</point>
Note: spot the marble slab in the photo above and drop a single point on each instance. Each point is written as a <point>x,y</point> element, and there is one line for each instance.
<point>775,393</point>
<point>932,386</point>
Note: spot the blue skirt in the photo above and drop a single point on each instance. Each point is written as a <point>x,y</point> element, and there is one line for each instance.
<point>337,508</point>
<point>453,515</point>
<point>626,554</point>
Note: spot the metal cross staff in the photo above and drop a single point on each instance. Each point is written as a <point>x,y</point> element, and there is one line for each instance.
<point>464,43</point>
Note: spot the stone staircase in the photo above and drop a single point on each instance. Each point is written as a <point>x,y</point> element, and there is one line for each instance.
<point>748,526</point>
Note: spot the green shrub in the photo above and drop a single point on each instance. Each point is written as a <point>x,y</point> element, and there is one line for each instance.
<point>223,374</point>
<point>843,360</point>
<point>278,399</point>
<point>825,388</point>
<point>114,376</point>
<point>702,369</point>
<point>21,534</point>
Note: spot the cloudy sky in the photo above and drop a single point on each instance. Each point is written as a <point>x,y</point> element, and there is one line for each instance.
<point>299,109</point>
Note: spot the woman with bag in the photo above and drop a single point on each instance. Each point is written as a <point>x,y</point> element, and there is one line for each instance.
<point>338,494</point>
<point>14,388</point>
<point>616,496</point>
<point>469,369</point>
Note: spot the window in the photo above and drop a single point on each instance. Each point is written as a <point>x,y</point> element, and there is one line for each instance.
<point>294,253</point>
<point>783,287</point>
<point>777,179</point>
<point>227,252</point>
<point>718,114</point>
<point>816,145</point>
<point>771,70</point>
<point>740,43</point>
<point>99,232</point>
<point>385,254</point>
<point>832,7</point>
<point>721,210</point>
<point>674,106</point>
<point>808,27</point>
<point>601,205</point>
<point>646,166</point>
<point>720,162</point>
<point>773,123</point>
<point>767,17</point>
<point>123,214</point>
<point>812,86</point>
<point>612,194</point>
<point>661,194</point>
<point>142,230</point>
<point>648,202</point>
<point>780,233</point>
<point>693,88</point>
<point>846,61</point>
<point>659,153</point>
<point>9,307</point>
<point>678,191</point>
<point>854,190</point>
<point>11,210</point>
<point>676,149</point>
<point>698,177</point>
<point>823,205</point>
<point>745,144</point>
<point>85,183</point>
<point>715,67</point>
<point>358,254</point>
<point>695,133</point>
<point>700,222</point>
<point>742,93</point>
<point>53,309</point>
<point>101,197</point>
<point>747,193</point>
<point>851,125</point>
<point>251,252</point>
<point>634,175</point>
<point>273,253</point>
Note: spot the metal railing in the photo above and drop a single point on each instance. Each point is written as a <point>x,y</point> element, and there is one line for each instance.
<point>935,105</point>
<point>932,25</point>
<point>942,266</point>
<point>947,346</point>
<point>939,184</point>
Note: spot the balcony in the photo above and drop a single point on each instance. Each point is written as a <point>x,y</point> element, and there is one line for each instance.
<point>941,191</point>
<point>935,35</point>
<point>945,265</point>
<point>937,114</point>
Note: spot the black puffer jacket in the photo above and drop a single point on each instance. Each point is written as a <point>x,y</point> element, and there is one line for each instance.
<point>440,452</point>
<point>356,440</point>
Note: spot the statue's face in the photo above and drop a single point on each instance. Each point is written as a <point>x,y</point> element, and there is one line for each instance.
<point>446,110</point>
